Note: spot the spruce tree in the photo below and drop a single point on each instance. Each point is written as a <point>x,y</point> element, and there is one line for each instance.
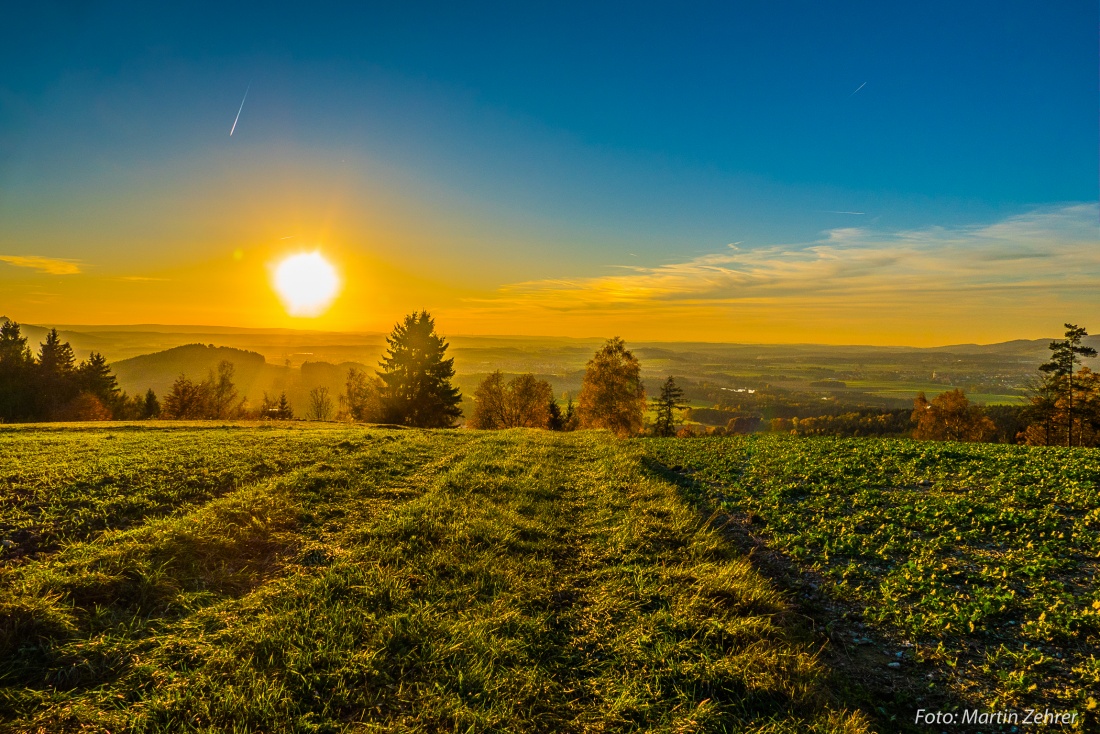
<point>667,405</point>
<point>94,376</point>
<point>283,409</point>
<point>57,380</point>
<point>16,375</point>
<point>151,408</point>
<point>416,376</point>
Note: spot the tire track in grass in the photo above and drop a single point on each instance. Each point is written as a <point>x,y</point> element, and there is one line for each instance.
<point>681,633</point>
<point>76,625</point>
<point>63,485</point>
<point>525,581</point>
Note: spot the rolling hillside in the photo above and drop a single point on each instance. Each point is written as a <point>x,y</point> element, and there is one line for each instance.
<point>254,376</point>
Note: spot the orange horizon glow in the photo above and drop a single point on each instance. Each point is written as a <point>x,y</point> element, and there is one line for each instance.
<point>1021,278</point>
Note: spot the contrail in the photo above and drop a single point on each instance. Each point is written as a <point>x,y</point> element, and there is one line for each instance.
<point>832,211</point>
<point>239,111</point>
<point>861,86</point>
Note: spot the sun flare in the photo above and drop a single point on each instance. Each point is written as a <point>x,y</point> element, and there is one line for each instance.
<point>306,283</point>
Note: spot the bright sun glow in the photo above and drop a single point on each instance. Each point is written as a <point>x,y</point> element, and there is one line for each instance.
<point>307,283</point>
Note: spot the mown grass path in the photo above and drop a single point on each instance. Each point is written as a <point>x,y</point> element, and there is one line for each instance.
<point>413,581</point>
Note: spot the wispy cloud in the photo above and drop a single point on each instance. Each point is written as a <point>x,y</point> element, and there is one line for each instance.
<point>50,265</point>
<point>1045,259</point>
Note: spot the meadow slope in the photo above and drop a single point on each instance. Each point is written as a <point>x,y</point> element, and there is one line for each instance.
<point>284,578</point>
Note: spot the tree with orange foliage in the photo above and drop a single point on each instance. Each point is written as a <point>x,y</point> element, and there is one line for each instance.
<point>522,402</point>
<point>612,395</point>
<point>950,416</point>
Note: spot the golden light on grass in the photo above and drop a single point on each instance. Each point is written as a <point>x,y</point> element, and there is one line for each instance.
<point>307,284</point>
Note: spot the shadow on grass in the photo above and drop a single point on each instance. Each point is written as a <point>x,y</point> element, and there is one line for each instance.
<point>859,676</point>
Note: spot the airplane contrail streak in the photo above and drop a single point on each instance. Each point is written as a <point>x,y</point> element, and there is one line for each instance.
<point>239,111</point>
<point>861,86</point>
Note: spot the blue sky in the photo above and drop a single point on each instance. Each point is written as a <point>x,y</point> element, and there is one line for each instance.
<point>515,142</point>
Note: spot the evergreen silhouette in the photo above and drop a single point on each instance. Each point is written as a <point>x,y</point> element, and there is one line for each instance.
<point>667,405</point>
<point>16,375</point>
<point>151,406</point>
<point>56,374</point>
<point>94,376</point>
<point>416,377</point>
<point>1057,389</point>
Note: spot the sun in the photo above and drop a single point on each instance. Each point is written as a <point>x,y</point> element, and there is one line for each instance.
<point>306,283</point>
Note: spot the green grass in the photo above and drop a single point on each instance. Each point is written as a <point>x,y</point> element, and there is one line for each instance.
<point>984,556</point>
<point>68,483</point>
<point>371,580</point>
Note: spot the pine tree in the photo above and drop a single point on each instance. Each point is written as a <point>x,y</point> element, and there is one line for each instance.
<point>55,356</point>
<point>416,377</point>
<point>57,378</point>
<point>667,405</point>
<point>556,421</point>
<point>283,409</point>
<point>94,376</point>
<point>569,420</point>
<point>1065,355</point>
<point>16,375</point>
<point>151,408</point>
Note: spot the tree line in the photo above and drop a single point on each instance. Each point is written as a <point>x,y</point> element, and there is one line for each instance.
<point>412,387</point>
<point>53,386</point>
<point>1063,409</point>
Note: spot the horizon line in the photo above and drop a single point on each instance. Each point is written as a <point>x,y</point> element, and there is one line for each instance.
<point>158,328</point>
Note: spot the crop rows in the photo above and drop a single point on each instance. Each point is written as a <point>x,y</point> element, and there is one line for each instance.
<point>984,555</point>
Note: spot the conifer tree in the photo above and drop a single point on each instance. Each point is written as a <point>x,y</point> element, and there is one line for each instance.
<point>1066,354</point>
<point>416,376</point>
<point>151,408</point>
<point>556,421</point>
<point>283,409</point>
<point>57,380</point>
<point>16,374</point>
<point>667,405</point>
<point>94,376</point>
<point>569,420</point>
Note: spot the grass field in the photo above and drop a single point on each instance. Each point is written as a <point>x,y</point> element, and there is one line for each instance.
<point>313,579</point>
<point>972,567</point>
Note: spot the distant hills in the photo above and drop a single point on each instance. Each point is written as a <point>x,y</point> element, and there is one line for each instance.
<point>160,369</point>
<point>253,376</point>
<point>274,360</point>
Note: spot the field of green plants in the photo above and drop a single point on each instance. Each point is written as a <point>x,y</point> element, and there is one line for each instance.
<point>977,562</point>
<point>208,578</point>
